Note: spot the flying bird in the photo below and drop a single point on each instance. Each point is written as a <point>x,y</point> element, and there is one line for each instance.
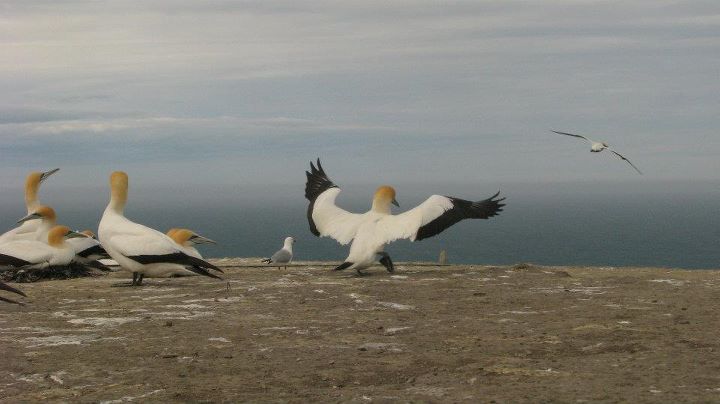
<point>6,287</point>
<point>369,232</point>
<point>27,229</point>
<point>597,147</point>
<point>137,248</point>
<point>283,255</point>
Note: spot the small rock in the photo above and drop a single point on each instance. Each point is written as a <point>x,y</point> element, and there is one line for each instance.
<point>362,348</point>
<point>168,323</point>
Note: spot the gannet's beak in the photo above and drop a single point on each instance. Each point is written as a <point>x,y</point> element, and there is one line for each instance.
<point>395,202</point>
<point>46,174</point>
<point>198,239</point>
<point>31,216</point>
<point>74,234</point>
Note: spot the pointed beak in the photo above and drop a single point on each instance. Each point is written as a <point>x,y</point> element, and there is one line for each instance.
<point>198,239</point>
<point>46,174</point>
<point>31,216</point>
<point>74,234</point>
<point>395,202</point>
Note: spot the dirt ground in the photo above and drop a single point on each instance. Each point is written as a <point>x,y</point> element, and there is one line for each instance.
<point>423,334</point>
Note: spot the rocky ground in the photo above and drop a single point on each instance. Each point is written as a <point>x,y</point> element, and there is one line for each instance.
<point>425,333</point>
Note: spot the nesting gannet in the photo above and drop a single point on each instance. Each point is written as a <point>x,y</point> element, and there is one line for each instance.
<point>137,248</point>
<point>597,147</point>
<point>283,255</point>
<point>187,240</point>
<point>32,185</point>
<point>34,254</point>
<point>45,218</point>
<point>371,231</point>
<point>88,248</point>
<point>4,286</point>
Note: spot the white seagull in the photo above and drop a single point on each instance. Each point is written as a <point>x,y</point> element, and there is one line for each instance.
<point>371,231</point>
<point>32,185</point>
<point>4,286</point>
<point>597,147</point>
<point>34,254</point>
<point>187,240</point>
<point>283,255</point>
<point>137,248</point>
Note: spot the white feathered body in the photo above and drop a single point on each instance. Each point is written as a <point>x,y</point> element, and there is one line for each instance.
<point>369,232</point>
<point>37,253</point>
<point>122,237</point>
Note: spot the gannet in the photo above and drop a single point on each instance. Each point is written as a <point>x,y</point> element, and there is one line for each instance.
<point>4,286</point>
<point>88,250</point>
<point>137,248</point>
<point>187,240</point>
<point>597,147</point>
<point>34,254</point>
<point>369,232</point>
<point>45,219</point>
<point>32,185</point>
<point>283,255</point>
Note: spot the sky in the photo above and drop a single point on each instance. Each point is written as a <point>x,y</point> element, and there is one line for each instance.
<point>212,93</point>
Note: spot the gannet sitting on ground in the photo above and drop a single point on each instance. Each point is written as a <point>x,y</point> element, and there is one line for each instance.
<point>45,219</point>
<point>187,240</point>
<point>88,248</point>
<point>34,254</point>
<point>371,231</point>
<point>283,255</point>
<point>597,147</point>
<point>137,248</point>
<point>32,185</point>
<point>4,286</point>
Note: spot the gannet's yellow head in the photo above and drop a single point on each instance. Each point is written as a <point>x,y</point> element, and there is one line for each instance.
<point>118,189</point>
<point>58,234</point>
<point>384,197</point>
<point>188,237</point>
<point>32,185</point>
<point>171,232</point>
<point>43,212</point>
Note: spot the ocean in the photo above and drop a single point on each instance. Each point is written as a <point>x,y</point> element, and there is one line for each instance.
<point>674,224</point>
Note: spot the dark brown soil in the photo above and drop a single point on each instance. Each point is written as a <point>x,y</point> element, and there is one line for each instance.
<point>428,334</point>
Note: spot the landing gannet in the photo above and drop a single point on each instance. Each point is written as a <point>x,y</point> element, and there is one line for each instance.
<point>34,254</point>
<point>371,231</point>
<point>597,147</point>
<point>4,286</point>
<point>187,240</point>
<point>32,185</point>
<point>283,255</point>
<point>137,248</point>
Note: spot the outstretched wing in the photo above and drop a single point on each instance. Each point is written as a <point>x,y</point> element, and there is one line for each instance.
<point>436,214</point>
<point>628,161</point>
<point>324,217</point>
<point>570,134</point>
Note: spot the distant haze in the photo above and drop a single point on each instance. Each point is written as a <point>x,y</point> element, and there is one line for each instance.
<point>247,92</point>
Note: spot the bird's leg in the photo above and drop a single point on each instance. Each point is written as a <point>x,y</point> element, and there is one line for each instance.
<point>140,278</point>
<point>134,281</point>
<point>386,261</point>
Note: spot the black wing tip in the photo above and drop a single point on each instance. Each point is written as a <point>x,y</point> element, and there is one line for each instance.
<point>6,287</point>
<point>202,271</point>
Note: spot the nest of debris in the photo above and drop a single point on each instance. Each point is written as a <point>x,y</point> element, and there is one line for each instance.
<point>73,270</point>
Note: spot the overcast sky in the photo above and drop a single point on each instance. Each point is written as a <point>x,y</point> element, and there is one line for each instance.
<point>249,91</point>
